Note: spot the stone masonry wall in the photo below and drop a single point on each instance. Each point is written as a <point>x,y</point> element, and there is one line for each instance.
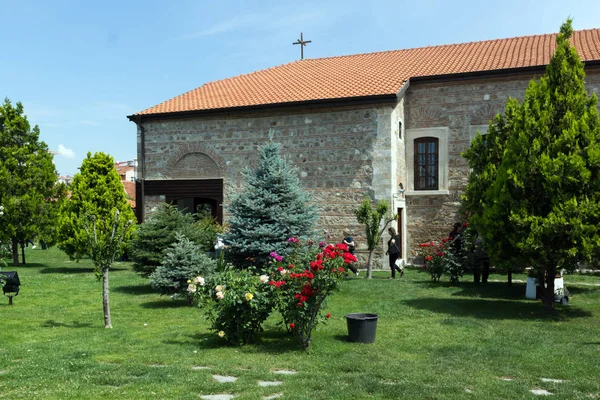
<point>333,150</point>
<point>459,106</point>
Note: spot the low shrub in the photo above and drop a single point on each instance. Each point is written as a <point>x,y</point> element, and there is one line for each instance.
<point>153,238</point>
<point>183,261</point>
<point>235,302</point>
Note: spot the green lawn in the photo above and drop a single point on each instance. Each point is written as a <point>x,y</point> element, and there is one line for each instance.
<point>434,341</point>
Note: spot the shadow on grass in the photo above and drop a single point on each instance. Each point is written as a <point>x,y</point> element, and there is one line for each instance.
<point>268,342</point>
<point>574,290</point>
<point>55,324</point>
<point>496,309</point>
<point>27,265</point>
<point>74,270</point>
<point>135,289</point>
<point>166,303</point>
<point>342,338</point>
<point>274,341</point>
<point>491,290</point>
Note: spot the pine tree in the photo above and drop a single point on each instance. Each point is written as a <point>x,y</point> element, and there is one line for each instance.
<point>184,260</point>
<point>27,179</point>
<point>268,211</point>
<point>547,187</point>
<point>154,236</point>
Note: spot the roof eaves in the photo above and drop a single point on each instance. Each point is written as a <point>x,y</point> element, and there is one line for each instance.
<point>310,103</point>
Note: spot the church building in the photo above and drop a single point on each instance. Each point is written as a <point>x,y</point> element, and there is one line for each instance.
<point>389,125</point>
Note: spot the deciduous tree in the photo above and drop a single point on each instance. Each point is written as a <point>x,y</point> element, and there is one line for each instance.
<point>375,219</point>
<point>27,179</point>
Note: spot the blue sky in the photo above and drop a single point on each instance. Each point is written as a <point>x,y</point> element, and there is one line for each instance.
<point>80,67</point>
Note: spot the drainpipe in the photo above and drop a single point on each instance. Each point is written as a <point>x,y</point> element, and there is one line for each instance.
<point>142,169</point>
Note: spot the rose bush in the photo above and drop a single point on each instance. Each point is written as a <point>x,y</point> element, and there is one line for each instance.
<point>236,303</point>
<point>302,282</point>
<point>446,257</point>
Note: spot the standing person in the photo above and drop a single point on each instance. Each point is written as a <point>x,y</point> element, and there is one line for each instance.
<point>349,241</point>
<point>455,231</point>
<point>393,252</point>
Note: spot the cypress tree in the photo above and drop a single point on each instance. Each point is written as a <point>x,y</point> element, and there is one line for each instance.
<point>547,186</point>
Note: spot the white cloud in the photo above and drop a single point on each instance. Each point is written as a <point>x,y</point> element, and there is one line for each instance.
<point>67,153</point>
<point>275,20</point>
<point>233,24</point>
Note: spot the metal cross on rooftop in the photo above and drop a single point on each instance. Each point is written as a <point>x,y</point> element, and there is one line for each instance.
<point>302,43</point>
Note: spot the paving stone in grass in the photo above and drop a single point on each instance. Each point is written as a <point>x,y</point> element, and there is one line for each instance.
<point>197,367</point>
<point>273,396</point>
<point>217,396</point>
<point>541,392</point>
<point>505,378</point>
<point>224,378</point>
<point>284,372</point>
<point>551,380</point>
<point>269,383</point>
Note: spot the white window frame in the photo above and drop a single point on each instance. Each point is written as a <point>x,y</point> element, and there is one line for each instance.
<point>440,133</point>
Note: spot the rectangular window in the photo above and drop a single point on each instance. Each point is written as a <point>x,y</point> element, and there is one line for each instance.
<point>426,163</point>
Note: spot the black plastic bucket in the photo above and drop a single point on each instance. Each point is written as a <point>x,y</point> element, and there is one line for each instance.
<point>362,327</point>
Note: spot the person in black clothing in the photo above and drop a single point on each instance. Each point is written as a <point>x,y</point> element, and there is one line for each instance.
<point>455,231</point>
<point>481,269</point>
<point>393,252</point>
<point>349,241</point>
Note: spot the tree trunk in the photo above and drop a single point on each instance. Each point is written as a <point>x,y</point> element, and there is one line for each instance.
<point>510,276</point>
<point>15,251</point>
<point>23,252</point>
<point>105,303</point>
<point>369,265</point>
<point>548,288</point>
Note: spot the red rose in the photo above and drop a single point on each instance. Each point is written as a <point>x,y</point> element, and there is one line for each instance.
<point>328,315</point>
<point>342,246</point>
<point>292,326</point>
<point>444,240</point>
<point>465,224</point>
<point>428,258</point>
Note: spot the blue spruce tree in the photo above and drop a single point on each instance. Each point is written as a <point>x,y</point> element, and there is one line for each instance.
<point>270,209</point>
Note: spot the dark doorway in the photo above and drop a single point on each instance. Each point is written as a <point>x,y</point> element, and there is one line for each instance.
<point>193,195</point>
<point>201,206</point>
<point>400,232</point>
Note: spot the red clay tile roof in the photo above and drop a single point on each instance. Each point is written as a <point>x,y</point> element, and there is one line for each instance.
<point>130,190</point>
<point>372,74</point>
